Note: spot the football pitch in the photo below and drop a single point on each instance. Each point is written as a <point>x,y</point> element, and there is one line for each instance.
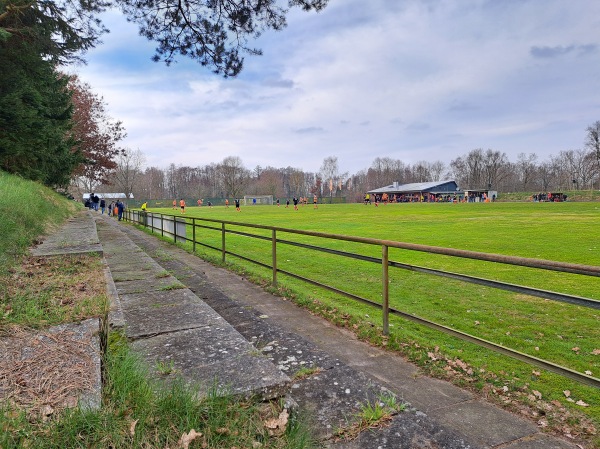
<point>564,334</point>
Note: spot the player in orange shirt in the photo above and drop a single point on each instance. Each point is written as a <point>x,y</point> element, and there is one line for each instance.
<point>315,202</point>
<point>226,202</point>
<point>182,205</point>
<point>174,204</point>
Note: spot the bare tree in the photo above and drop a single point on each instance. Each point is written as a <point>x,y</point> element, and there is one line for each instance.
<point>526,168</point>
<point>152,185</point>
<point>592,143</point>
<point>329,173</point>
<point>468,170</point>
<point>233,175</point>
<point>495,168</point>
<point>437,170</point>
<point>129,168</point>
<point>297,182</point>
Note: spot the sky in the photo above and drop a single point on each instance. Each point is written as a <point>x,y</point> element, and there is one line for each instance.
<point>415,80</point>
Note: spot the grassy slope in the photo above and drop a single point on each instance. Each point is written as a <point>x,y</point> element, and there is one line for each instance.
<point>555,231</point>
<point>27,209</point>
<point>160,414</point>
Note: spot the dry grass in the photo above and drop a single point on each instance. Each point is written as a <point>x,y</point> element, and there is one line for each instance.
<point>43,291</point>
<point>45,370</point>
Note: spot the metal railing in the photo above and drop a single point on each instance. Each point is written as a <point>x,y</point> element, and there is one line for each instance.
<point>176,227</point>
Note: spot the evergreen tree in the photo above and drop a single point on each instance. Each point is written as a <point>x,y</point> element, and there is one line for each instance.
<point>35,116</point>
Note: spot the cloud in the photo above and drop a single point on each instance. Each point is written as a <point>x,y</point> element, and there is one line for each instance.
<point>553,52</point>
<point>310,130</point>
<point>418,126</point>
<point>282,83</point>
<point>409,80</point>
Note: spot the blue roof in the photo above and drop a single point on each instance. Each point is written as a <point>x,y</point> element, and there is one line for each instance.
<point>432,187</point>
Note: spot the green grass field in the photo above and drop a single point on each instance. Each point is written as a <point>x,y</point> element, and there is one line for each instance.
<point>564,334</point>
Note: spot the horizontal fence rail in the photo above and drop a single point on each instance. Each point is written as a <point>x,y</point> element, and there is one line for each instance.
<point>176,228</point>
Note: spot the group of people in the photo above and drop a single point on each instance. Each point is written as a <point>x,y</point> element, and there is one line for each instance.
<point>296,201</point>
<point>384,198</point>
<point>549,197</point>
<point>115,208</point>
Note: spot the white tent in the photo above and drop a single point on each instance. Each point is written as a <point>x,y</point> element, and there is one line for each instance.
<point>109,196</point>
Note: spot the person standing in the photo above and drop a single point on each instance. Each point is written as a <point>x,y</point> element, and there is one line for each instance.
<point>237,204</point>
<point>182,205</point>
<point>102,205</point>
<point>295,203</point>
<point>315,202</point>
<point>226,202</point>
<point>119,208</point>
<point>174,204</point>
<point>144,206</point>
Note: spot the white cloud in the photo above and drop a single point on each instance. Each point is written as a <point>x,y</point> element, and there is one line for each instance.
<point>413,80</point>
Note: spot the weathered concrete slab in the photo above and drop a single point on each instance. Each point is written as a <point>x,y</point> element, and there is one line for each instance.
<point>141,266</point>
<point>77,236</point>
<point>88,332</point>
<point>429,394</point>
<point>167,283</point>
<point>174,326</point>
<point>213,355</point>
<point>153,313</point>
<point>408,430</point>
<point>335,396</point>
<point>540,441</point>
<point>83,338</point>
<point>115,318</point>
<point>494,426</point>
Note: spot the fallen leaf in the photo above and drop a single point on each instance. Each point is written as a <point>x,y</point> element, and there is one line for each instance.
<point>477,323</point>
<point>582,404</point>
<point>432,356</point>
<point>536,373</point>
<point>575,349</point>
<point>537,394</point>
<point>588,372</point>
<point>277,426</point>
<point>46,411</point>
<point>132,427</point>
<point>596,352</point>
<point>542,423</point>
<point>567,393</point>
<point>505,388</point>
<point>187,438</point>
<point>223,431</point>
<point>537,348</point>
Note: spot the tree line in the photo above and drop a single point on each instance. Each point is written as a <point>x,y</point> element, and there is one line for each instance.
<point>477,169</point>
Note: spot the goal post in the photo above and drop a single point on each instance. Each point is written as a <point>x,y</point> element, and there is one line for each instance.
<point>258,200</point>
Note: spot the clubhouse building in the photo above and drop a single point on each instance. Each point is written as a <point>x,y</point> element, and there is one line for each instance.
<point>430,192</point>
